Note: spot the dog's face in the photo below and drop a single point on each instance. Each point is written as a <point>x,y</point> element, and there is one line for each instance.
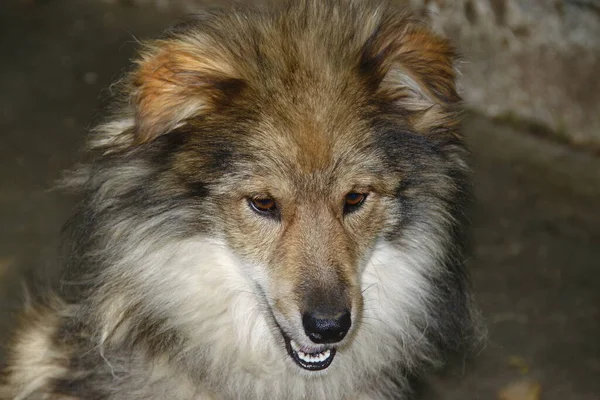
<point>301,193</point>
<point>312,199</point>
<point>299,152</point>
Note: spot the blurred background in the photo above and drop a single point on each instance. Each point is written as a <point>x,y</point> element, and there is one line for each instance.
<point>531,82</point>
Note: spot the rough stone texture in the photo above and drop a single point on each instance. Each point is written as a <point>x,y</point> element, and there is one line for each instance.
<point>531,60</point>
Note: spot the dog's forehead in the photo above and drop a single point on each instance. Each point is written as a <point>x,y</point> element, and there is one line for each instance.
<point>314,148</point>
<point>311,132</point>
<point>312,156</point>
<point>311,137</point>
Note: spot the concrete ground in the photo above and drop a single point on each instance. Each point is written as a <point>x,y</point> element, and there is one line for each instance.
<point>536,258</point>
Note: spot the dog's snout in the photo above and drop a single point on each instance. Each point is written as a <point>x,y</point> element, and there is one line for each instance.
<point>326,328</point>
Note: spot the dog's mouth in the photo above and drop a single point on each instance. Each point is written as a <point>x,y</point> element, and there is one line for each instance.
<point>311,361</point>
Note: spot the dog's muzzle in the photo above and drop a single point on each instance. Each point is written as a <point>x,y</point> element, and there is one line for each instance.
<point>323,330</point>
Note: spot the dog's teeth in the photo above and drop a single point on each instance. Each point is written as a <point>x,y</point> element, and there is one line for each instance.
<point>324,356</point>
<point>313,357</point>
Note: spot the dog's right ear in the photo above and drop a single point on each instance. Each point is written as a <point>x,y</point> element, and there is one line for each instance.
<point>177,79</point>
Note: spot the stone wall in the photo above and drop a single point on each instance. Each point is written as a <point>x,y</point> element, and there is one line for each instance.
<point>530,61</point>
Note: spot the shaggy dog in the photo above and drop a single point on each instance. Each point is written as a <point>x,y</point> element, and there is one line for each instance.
<point>274,209</point>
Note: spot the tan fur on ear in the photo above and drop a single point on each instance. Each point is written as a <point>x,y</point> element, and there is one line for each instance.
<point>415,69</point>
<point>424,63</point>
<point>176,80</point>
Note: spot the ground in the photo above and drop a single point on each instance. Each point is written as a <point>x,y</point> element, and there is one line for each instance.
<point>536,236</point>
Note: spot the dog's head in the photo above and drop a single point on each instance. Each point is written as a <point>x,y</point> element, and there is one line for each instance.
<point>301,141</point>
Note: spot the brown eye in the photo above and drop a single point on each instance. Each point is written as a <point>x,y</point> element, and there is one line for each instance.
<point>353,201</point>
<point>263,205</point>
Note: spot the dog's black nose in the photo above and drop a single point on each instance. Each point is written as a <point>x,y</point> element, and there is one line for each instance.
<point>326,328</point>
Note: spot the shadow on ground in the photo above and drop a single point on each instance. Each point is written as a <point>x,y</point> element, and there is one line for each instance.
<point>537,222</point>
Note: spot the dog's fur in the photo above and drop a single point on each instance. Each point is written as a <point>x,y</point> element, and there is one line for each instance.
<point>175,288</point>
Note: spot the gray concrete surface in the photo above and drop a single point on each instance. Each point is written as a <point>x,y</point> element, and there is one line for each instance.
<point>536,257</point>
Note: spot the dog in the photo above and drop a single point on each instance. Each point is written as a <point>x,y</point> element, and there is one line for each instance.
<point>276,207</point>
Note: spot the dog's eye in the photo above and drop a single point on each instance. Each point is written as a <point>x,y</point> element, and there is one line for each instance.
<point>263,205</point>
<point>353,201</point>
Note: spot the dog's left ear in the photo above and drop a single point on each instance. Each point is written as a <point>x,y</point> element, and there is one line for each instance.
<point>176,80</point>
<point>413,68</point>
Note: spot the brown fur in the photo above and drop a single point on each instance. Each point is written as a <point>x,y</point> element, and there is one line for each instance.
<point>196,73</point>
<point>187,291</point>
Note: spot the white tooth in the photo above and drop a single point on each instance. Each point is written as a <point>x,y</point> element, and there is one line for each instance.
<point>311,358</point>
